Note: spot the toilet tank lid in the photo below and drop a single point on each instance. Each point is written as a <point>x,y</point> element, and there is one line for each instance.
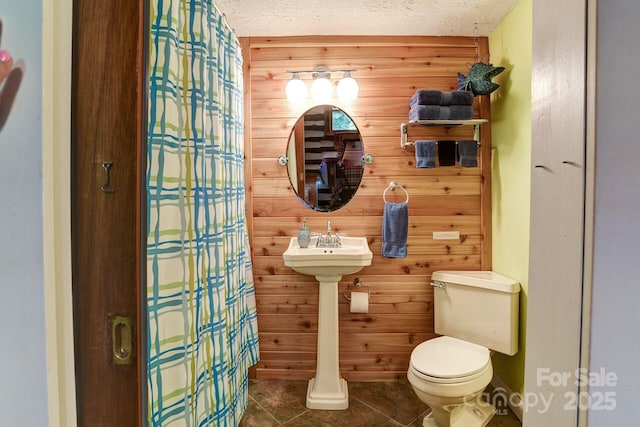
<point>482,279</point>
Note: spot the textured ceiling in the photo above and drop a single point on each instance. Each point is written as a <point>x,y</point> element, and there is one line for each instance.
<point>363,17</point>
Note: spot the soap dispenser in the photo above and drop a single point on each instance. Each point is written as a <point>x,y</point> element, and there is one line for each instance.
<point>304,236</point>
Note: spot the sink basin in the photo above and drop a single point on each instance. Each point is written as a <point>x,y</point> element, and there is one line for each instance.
<point>351,257</point>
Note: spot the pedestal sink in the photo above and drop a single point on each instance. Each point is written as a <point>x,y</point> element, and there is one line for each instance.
<point>327,390</point>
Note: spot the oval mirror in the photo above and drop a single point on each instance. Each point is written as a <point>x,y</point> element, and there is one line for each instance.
<point>325,158</point>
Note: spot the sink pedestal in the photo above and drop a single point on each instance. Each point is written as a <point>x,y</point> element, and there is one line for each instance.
<point>327,390</point>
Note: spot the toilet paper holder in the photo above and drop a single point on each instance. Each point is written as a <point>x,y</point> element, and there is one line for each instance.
<point>357,283</point>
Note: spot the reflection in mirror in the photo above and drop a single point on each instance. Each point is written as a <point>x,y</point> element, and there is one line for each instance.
<point>325,158</point>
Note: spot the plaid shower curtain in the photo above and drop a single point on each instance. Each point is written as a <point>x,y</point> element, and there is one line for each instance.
<point>202,331</point>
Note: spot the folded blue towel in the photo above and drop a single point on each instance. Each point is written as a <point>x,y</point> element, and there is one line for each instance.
<point>427,97</point>
<point>425,154</point>
<point>457,97</point>
<point>468,153</point>
<point>460,112</point>
<point>425,112</point>
<point>395,227</point>
<point>437,112</point>
<point>436,97</point>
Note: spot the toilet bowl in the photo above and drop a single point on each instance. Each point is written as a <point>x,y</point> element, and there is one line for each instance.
<point>474,311</point>
<point>449,375</point>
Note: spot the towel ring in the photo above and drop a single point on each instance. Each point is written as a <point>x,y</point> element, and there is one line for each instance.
<point>392,186</point>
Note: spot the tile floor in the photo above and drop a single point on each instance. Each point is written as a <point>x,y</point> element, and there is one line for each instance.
<point>282,403</point>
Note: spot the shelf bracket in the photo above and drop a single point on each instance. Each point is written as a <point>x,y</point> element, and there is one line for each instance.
<point>403,136</point>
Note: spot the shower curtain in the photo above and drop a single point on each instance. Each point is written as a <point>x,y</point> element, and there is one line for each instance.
<point>202,331</point>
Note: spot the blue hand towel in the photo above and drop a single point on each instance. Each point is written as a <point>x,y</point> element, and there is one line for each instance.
<point>468,153</point>
<point>395,227</point>
<point>425,154</point>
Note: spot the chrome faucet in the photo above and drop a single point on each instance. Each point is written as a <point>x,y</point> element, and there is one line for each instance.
<point>329,241</point>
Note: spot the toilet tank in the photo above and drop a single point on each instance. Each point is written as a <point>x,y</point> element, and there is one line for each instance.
<point>477,306</point>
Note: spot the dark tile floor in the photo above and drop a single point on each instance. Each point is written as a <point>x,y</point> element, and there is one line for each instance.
<point>282,403</point>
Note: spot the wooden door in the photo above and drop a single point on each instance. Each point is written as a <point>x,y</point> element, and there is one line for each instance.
<point>107,114</point>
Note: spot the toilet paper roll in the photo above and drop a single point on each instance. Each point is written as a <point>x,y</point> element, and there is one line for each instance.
<point>359,302</point>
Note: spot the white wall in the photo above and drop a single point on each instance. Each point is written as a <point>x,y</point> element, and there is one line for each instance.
<point>23,386</point>
<point>615,339</point>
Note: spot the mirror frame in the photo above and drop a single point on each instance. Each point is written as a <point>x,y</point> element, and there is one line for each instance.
<point>338,154</point>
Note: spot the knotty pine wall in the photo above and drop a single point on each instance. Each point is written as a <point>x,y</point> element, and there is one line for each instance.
<point>374,346</point>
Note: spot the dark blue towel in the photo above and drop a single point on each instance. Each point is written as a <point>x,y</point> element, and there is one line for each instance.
<point>425,154</point>
<point>457,97</point>
<point>425,112</point>
<point>447,153</point>
<point>395,227</point>
<point>437,112</point>
<point>460,112</point>
<point>426,97</point>
<point>468,153</point>
<point>436,97</point>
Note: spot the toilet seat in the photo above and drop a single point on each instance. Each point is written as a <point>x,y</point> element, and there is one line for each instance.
<point>448,360</point>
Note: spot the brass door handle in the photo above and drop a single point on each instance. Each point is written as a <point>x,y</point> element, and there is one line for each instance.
<point>121,339</point>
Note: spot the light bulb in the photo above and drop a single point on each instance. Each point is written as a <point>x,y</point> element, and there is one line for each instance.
<point>348,88</point>
<point>296,90</point>
<point>321,89</point>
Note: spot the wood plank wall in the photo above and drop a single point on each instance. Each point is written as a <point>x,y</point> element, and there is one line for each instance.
<point>374,346</point>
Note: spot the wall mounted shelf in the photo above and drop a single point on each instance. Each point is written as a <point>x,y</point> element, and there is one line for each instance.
<point>438,123</point>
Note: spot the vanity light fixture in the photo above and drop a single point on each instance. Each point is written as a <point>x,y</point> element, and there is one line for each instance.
<point>347,87</point>
<point>296,90</point>
<point>322,88</point>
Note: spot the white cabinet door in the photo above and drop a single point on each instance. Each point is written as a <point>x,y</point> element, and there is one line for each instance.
<point>557,211</point>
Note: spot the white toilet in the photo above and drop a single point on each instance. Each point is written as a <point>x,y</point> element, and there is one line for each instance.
<point>475,312</point>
